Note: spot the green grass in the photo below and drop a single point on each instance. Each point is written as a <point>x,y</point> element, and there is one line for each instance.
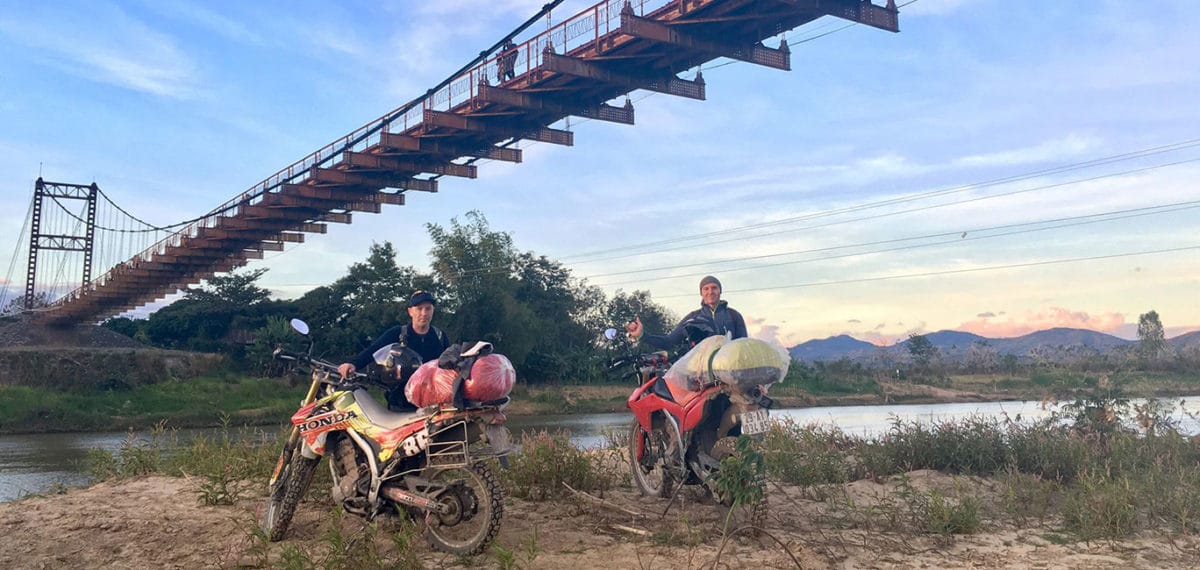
<point>1095,484</point>
<point>185,403</point>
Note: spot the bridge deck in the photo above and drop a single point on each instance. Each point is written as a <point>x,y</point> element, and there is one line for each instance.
<point>574,68</point>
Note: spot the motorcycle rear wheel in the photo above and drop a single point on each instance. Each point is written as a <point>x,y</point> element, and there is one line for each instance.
<point>285,497</point>
<point>476,504</point>
<point>655,473</point>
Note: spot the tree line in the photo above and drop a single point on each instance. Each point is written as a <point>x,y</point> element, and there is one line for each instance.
<point>547,321</point>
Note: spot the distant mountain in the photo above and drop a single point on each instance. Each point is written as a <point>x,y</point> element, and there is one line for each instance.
<point>1188,340</point>
<point>955,344</point>
<point>832,348</point>
<point>951,339</point>
<point>1058,337</point>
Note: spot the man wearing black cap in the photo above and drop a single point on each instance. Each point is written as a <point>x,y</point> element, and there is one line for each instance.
<point>713,311</point>
<point>420,335</point>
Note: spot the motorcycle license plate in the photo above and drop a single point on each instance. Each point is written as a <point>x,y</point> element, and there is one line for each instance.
<point>755,422</point>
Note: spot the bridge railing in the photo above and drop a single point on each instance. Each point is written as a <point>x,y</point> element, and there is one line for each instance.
<point>578,31</point>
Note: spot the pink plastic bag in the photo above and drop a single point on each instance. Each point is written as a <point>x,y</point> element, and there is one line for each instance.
<point>492,378</point>
<point>430,385</point>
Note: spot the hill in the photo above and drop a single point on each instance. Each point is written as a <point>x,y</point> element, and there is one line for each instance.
<point>955,345</point>
<point>831,348</point>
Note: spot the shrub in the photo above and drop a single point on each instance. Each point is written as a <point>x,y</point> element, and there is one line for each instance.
<point>806,455</point>
<point>547,460</point>
<point>1101,507</point>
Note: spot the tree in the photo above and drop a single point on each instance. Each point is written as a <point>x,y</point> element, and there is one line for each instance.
<point>921,349</point>
<point>235,290</point>
<point>1151,338</point>
<point>982,357</point>
<point>623,307</point>
<point>217,317</point>
<point>369,299</point>
<point>474,268</point>
<point>124,325</point>
<point>40,299</point>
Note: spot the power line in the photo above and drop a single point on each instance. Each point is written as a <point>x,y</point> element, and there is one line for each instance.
<point>960,236</point>
<point>951,271</point>
<point>900,212</point>
<point>911,198</point>
<point>1143,153</point>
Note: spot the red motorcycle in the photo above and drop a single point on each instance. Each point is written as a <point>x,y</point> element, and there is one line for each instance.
<point>679,437</point>
<point>430,464</point>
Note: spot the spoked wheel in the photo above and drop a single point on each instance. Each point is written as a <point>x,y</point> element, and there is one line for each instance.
<point>475,505</point>
<point>753,514</point>
<point>289,488</point>
<point>658,468</point>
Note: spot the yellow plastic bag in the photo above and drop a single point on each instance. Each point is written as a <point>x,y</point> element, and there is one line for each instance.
<point>747,362</point>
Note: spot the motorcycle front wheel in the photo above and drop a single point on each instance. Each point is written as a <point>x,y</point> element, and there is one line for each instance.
<point>289,488</point>
<point>475,506</point>
<point>656,471</point>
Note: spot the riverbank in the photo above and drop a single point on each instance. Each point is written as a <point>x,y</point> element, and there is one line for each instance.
<point>155,522</point>
<point>214,401</point>
<point>1002,496</point>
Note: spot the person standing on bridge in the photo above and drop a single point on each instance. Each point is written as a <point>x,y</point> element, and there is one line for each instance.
<point>419,335</point>
<point>507,62</point>
<point>713,311</point>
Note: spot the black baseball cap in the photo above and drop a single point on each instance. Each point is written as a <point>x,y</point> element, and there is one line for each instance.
<point>419,297</point>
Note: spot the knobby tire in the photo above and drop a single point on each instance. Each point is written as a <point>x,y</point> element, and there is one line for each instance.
<point>290,488</point>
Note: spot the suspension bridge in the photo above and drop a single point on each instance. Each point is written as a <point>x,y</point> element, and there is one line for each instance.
<point>511,92</point>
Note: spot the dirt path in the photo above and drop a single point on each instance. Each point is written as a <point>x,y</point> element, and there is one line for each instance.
<point>157,522</point>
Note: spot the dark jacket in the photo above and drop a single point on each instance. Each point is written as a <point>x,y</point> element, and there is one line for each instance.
<point>429,345</point>
<point>722,320</point>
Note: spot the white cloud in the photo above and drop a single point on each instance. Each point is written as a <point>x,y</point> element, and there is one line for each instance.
<point>106,45</point>
<point>1071,146</point>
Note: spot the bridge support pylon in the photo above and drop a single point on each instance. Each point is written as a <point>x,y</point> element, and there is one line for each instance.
<point>59,242</point>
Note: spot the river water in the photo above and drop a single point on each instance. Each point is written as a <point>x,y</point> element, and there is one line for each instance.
<point>31,464</point>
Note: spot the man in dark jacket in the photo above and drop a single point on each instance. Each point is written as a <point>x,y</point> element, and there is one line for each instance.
<point>420,335</point>
<point>713,311</point>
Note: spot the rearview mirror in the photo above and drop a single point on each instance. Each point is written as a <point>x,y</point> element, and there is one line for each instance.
<point>300,326</point>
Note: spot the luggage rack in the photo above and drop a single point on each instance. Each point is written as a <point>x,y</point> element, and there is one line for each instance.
<point>452,453</point>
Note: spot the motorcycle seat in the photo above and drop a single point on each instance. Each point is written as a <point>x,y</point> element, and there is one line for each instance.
<point>379,415</point>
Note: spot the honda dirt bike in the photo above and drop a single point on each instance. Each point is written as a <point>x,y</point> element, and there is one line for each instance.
<point>429,464</point>
<point>679,437</point>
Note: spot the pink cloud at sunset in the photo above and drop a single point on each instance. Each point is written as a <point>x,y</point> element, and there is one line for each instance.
<point>1049,318</point>
<point>878,339</point>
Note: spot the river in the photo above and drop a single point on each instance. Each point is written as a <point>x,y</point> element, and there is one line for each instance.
<point>31,464</point>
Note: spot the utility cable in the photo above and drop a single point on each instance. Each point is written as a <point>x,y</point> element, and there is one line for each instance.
<point>491,270</point>
<point>897,212</point>
<point>952,271</point>
<point>1143,153</point>
<point>960,236</point>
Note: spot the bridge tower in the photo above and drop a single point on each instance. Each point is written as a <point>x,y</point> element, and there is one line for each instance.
<point>60,242</point>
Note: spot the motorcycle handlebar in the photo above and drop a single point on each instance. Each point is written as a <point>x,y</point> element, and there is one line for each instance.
<point>283,354</point>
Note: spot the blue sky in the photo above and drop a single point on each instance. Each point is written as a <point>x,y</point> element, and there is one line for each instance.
<point>174,107</point>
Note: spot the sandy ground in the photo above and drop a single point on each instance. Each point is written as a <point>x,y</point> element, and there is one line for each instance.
<point>157,522</point>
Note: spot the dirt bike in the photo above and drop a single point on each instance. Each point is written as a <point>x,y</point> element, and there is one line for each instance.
<point>680,437</point>
<point>428,464</point>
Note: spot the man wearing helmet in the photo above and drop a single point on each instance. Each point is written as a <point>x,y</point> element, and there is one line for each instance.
<point>713,313</point>
<point>420,335</point>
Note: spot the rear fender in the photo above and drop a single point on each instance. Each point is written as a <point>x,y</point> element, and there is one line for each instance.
<point>693,413</point>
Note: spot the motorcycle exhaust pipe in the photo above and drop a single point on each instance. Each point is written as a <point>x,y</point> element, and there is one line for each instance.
<point>398,495</point>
